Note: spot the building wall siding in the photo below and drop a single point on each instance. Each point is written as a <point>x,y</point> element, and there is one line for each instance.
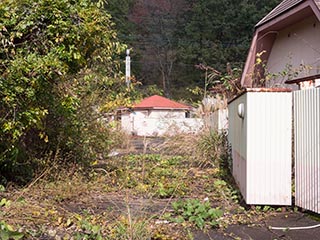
<point>307,148</point>
<point>296,48</point>
<point>261,147</point>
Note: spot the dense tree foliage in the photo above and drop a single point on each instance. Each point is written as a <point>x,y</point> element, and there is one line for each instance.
<point>154,43</point>
<point>119,10</point>
<point>217,32</point>
<point>171,37</point>
<point>59,64</point>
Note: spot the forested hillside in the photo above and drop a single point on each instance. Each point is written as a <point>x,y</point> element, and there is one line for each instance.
<point>58,62</point>
<point>61,67</point>
<point>169,37</point>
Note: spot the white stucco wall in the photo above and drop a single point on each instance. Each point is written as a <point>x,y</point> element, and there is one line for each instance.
<point>220,120</point>
<point>158,123</point>
<point>166,114</point>
<point>126,122</point>
<point>299,46</point>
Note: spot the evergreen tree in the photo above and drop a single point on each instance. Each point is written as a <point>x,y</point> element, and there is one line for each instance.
<point>214,33</point>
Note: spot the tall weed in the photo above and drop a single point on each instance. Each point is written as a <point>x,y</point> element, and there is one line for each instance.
<point>208,148</point>
<point>212,148</point>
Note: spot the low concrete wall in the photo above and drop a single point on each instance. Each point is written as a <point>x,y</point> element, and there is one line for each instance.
<point>218,120</point>
<point>135,124</point>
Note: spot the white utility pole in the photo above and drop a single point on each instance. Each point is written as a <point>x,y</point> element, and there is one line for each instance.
<point>128,68</point>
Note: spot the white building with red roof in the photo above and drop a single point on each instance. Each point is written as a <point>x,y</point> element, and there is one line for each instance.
<point>157,116</point>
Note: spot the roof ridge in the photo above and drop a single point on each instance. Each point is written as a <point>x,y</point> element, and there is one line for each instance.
<point>160,102</point>
<point>282,7</point>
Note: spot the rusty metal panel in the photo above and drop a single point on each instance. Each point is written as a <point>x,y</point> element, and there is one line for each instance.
<point>307,153</point>
<point>261,146</point>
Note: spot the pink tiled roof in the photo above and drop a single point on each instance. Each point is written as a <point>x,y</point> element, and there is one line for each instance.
<point>158,102</point>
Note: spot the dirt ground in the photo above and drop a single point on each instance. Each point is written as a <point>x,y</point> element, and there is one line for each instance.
<point>263,231</point>
<point>256,230</point>
<point>260,230</point>
<point>131,195</point>
<point>289,224</point>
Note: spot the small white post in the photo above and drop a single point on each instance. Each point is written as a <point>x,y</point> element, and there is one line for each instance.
<point>128,69</point>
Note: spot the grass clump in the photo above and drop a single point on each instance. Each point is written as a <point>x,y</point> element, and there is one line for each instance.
<point>7,232</point>
<point>208,148</point>
<point>196,212</point>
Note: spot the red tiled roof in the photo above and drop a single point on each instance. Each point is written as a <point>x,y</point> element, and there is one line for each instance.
<point>158,102</point>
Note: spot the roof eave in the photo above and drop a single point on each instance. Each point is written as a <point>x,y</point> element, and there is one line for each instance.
<point>276,23</point>
<point>160,108</point>
<point>269,16</point>
<point>291,16</point>
<point>299,80</point>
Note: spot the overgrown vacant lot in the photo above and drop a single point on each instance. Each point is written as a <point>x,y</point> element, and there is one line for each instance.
<point>182,188</point>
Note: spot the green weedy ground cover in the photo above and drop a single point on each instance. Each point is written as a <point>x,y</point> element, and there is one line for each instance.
<point>135,196</point>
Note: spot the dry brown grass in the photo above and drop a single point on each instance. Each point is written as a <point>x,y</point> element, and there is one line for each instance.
<point>128,197</point>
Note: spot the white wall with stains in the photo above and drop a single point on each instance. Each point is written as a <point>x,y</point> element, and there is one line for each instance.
<point>159,123</point>
<point>296,48</point>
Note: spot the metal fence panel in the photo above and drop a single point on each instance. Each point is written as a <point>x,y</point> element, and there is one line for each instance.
<point>307,144</point>
<point>261,146</point>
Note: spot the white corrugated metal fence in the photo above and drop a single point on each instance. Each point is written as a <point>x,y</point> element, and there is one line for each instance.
<point>307,145</point>
<point>261,146</point>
